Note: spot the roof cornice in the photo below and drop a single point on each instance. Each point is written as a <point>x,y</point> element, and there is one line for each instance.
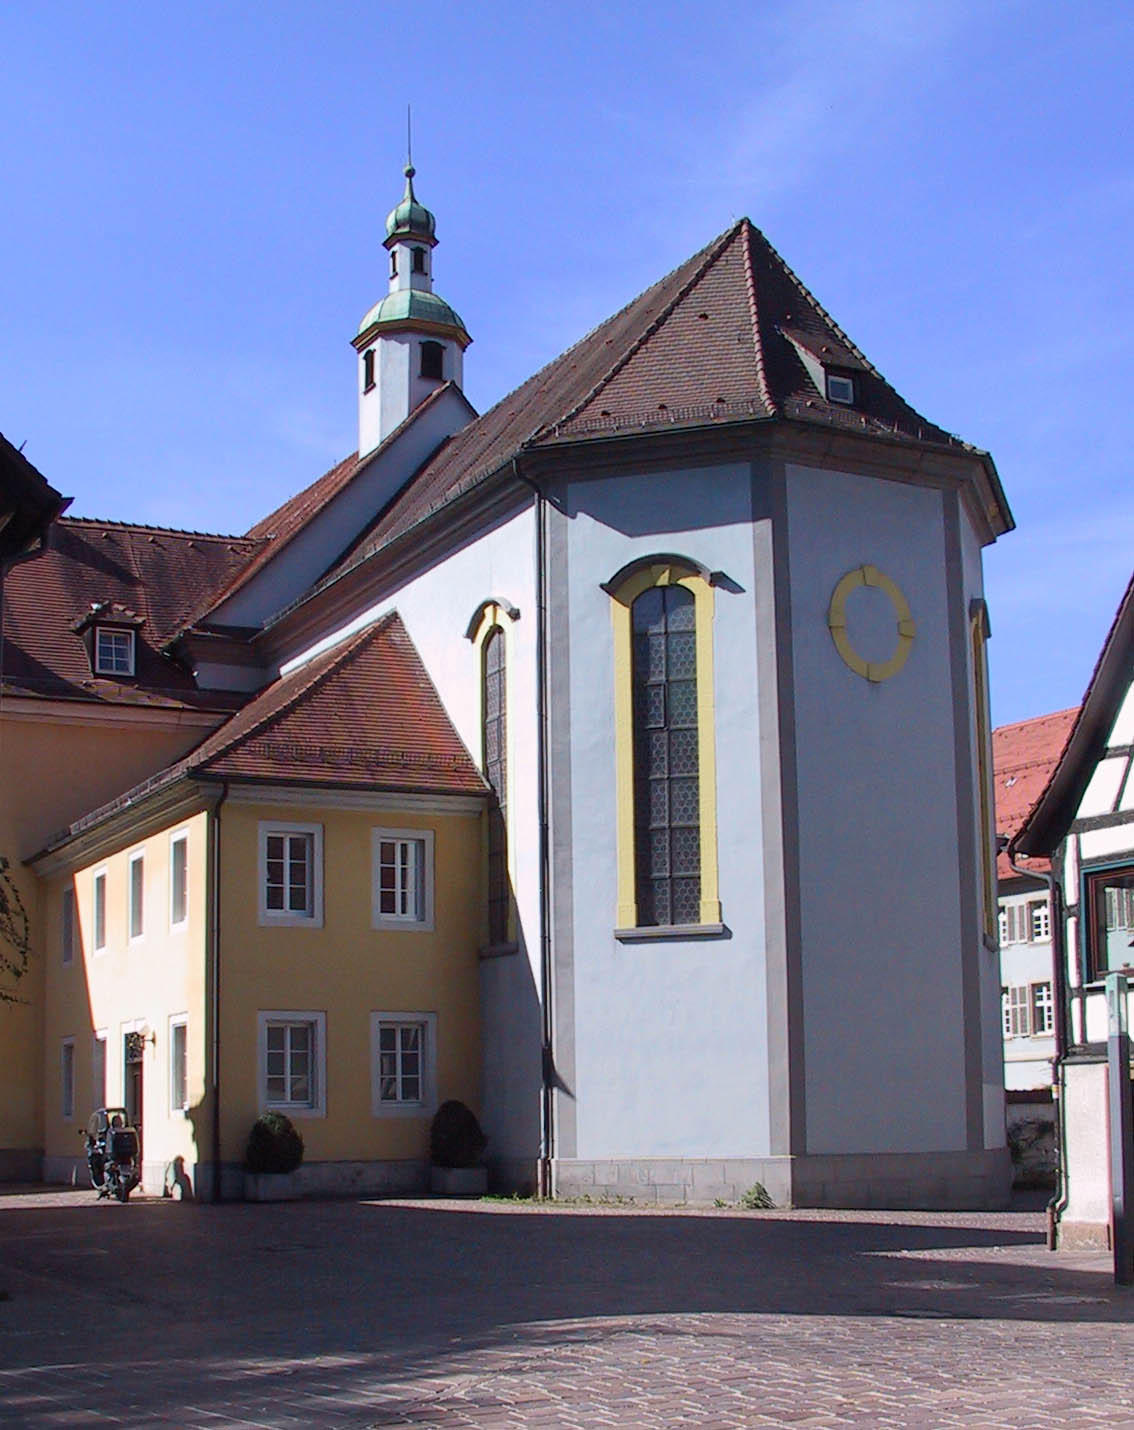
<point>132,821</point>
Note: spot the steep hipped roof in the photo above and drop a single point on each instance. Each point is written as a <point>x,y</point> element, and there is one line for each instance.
<point>363,716</point>
<point>1023,757</point>
<point>28,502</point>
<point>155,574</point>
<point>721,338</point>
<point>1055,808</point>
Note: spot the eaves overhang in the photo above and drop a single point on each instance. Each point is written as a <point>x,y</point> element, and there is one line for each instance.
<point>134,816</point>
<point>1053,812</point>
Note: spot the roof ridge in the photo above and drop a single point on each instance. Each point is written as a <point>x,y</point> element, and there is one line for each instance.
<point>712,252</point>
<point>145,526</point>
<point>1034,719</point>
<point>806,293</point>
<point>754,312</point>
<point>314,681</point>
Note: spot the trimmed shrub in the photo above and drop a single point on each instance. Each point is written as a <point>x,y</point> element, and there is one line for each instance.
<point>273,1145</point>
<point>455,1138</point>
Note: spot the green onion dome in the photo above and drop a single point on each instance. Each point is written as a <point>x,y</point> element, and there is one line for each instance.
<point>410,219</point>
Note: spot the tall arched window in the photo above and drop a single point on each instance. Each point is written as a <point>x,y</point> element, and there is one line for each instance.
<point>665,756</point>
<point>667,821</point>
<point>432,360</point>
<point>494,707</point>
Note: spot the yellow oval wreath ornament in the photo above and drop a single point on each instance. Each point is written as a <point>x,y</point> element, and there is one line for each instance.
<point>874,670</point>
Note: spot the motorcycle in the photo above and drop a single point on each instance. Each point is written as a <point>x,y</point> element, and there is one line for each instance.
<point>112,1153</point>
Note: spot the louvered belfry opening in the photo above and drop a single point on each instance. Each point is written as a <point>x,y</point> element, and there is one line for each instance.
<point>496,773</point>
<point>667,832</point>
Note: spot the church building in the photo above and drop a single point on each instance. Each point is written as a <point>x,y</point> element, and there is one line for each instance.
<point>617,761</point>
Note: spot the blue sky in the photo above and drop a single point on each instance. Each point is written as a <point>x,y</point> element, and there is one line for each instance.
<point>195,199</point>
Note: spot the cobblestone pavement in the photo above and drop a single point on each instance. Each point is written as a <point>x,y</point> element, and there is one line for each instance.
<point>400,1314</point>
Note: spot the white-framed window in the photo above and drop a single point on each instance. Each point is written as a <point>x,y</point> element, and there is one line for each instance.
<point>67,924</point>
<point>98,911</point>
<point>179,880</point>
<point>136,894</point>
<point>114,651</point>
<point>178,1063</point>
<point>291,873</point>
<point>840,388</point>
<point>1014,923</point>
<point>1043,1013</point>
<point>402,878</point>
<point>1039,921</point>
<point>67,1079</point>
<point>293,1062</point>
<point>98,1068</point>
<point>403,1061</point>
<point>1016,1011</point>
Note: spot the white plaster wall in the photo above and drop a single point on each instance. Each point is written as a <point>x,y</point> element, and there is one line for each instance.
<point>436,608</point>
<point>1098,843</point>
<point>1102,792</point>
<point>881,933</point>
<point>670,1049</point>
<point>1027,1060</point>
<point>304,559</point>
<point>1123,730</point>
<point>1086,1154</point>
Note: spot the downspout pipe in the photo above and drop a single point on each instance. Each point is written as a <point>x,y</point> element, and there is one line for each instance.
<point>547,1058</point>
<point>213,935</point>
<point>1058,1202</point>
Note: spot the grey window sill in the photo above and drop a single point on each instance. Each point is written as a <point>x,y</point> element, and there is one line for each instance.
<point>670,932</point>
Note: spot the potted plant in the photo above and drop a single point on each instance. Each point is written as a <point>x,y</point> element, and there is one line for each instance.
<point>274,1151</point>
<point>456,1146</point>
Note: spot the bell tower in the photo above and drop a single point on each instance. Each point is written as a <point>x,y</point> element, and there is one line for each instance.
<point>411,342</point>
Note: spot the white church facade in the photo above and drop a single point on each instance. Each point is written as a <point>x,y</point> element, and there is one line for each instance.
<point>703,601</point>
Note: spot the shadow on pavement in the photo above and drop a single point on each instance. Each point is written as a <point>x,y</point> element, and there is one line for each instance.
<point>307,1291</point>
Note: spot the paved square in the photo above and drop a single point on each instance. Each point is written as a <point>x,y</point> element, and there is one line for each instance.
<point>399,1314</point>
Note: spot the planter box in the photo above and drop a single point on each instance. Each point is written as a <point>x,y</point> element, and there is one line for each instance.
<point>458,1181</point>
<point>270,1187</point>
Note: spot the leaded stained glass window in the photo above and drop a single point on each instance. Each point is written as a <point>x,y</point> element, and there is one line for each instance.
<point>667,825</point>
<point>495,709</point>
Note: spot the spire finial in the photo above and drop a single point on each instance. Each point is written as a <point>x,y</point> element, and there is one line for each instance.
<point>409,169</point>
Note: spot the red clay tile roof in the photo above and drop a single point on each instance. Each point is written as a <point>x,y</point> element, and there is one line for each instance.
<point>28,502</point>
<point>707,343</point>
<point>158,573</point>
<point>363,715</point>
<point>1023,757</point>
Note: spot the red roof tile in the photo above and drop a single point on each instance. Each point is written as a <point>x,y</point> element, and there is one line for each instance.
<point>364,714</point>
<point>1023,757</point>
<point>158,573</point>
<point>708,343</point>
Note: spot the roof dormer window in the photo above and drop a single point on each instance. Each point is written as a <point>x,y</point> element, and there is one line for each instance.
<point>114,651</point>
<point>840,388</point>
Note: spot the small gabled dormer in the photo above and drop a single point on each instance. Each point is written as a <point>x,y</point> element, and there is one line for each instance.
<point>109,631</point>
<point>835,371</point>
